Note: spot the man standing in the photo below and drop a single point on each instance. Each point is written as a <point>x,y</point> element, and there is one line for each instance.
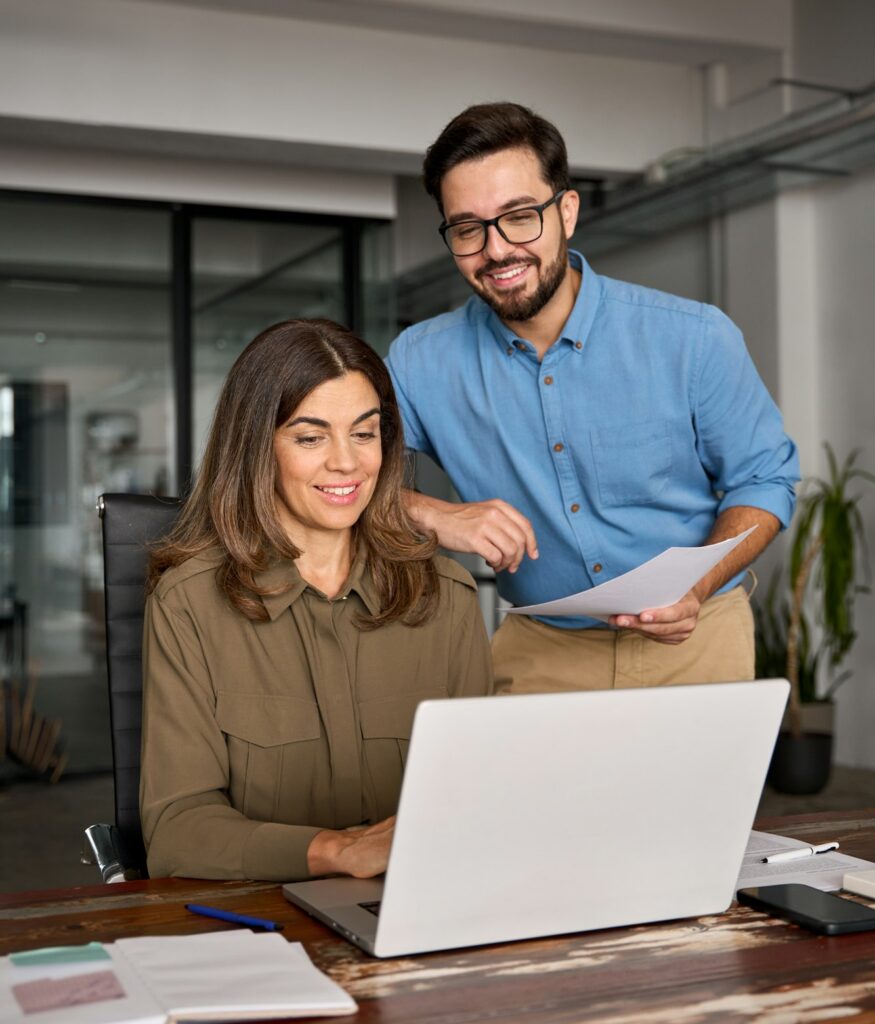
<point>586,423</point>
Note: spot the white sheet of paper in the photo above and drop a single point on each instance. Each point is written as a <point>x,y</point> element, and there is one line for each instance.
<point>221,976</point>
<point>655,584</point>
<point>822,871</point>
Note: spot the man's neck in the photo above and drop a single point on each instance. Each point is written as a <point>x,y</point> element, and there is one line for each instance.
<point>544,329</point>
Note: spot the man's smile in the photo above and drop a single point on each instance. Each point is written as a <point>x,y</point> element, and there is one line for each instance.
<point>506,275</point>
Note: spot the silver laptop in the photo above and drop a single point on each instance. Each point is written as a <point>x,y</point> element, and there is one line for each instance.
<point>532,815</point>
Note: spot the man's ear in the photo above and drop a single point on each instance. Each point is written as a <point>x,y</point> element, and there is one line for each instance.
<point>569,206</point>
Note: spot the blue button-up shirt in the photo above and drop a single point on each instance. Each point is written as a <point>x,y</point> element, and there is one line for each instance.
<point>644,421</point>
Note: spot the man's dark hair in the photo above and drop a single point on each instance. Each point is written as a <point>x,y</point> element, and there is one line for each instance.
<point>488,128</point>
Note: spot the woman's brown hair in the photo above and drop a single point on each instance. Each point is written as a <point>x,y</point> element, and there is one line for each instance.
<point>232,505</point>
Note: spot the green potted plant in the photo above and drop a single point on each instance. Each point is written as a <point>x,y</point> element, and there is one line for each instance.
<point>806,630</point>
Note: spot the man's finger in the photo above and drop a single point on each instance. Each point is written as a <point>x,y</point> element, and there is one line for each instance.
<point>519,520</point>
<point>500,547</point>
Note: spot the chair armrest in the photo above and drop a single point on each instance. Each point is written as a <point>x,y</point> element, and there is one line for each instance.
<point>105,848</point>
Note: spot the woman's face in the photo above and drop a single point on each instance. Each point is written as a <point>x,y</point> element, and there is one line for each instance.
<point>328,456</point>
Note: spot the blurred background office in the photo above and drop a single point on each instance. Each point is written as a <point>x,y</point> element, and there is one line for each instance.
<point>176,175</point>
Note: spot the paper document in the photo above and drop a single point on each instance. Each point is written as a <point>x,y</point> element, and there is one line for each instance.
<point>655,584</point>
<point>822,870</point>
<point>217,976</point>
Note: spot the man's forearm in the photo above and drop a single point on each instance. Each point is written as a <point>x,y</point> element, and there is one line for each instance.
<point>731,523</point>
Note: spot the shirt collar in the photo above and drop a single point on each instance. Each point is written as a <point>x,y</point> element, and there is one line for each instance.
<point>283,573</point>
<point>580,320</point>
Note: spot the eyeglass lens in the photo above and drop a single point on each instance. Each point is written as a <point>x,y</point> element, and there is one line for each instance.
<point>517,227</point>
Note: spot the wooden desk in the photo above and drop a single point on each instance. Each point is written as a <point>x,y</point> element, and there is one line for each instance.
<point>738,966</point>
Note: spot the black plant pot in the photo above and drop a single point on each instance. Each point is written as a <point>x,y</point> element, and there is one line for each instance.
<point>801,764</point>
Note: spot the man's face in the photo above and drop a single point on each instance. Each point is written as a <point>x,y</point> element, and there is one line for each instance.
<point>517,281</point>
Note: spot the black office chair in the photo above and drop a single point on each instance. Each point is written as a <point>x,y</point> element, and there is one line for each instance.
<point>131,523</point>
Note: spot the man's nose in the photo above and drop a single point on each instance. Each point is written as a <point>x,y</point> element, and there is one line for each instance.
<point>497,247</point>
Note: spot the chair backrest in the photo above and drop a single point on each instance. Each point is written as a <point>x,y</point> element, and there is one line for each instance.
<point>131,523</point>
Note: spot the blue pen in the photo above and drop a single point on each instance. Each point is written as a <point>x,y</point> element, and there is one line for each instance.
<point>228,915</point>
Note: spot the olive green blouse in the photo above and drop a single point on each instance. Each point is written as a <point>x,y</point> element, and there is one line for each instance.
<point>257,735</point>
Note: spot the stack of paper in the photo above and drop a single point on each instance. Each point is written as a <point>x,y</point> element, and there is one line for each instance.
<point>219,976</point>
<point>822,871</point>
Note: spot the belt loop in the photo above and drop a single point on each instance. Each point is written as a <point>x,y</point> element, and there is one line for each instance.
<point>753,585</point>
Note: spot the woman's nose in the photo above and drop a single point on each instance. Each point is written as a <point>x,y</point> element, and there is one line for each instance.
<point>341,456</point>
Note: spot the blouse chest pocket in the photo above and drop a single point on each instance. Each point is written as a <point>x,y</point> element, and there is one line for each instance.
<point>267,720</point>
<point>633,462</point>
<point>261,731</point>
<point>390,717</point>
<point>386,724</point>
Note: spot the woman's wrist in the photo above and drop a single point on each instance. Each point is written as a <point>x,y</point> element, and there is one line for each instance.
<point>323,853</point>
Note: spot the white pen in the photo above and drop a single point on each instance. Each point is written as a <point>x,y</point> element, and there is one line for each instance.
<point>803,851</point>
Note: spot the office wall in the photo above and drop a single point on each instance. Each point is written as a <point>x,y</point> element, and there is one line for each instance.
<point>318,93</point>
<point>833,44</point>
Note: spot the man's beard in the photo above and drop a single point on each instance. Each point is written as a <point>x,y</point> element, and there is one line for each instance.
<point>525,307</point>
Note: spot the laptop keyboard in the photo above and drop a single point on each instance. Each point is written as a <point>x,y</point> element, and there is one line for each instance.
<point>373,907</point>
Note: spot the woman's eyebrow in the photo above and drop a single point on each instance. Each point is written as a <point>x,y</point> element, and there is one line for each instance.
<point>308,419</point>
<point>314,422</point>
<point>367,415</point>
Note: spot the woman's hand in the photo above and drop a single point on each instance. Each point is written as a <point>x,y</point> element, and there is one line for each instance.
<point>361,851</point>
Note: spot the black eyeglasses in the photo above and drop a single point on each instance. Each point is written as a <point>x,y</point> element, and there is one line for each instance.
<point>468,237</point>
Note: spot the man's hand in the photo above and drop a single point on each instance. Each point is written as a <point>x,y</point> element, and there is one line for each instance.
<point>492,529</point>
<point>670,625</point>
<point>361,851</point>
<point>674,624</point>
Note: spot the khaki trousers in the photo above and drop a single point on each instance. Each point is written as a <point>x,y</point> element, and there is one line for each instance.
<point>531,657</point>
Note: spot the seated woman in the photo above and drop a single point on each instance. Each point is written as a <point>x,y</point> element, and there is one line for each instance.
<point>295,621</point>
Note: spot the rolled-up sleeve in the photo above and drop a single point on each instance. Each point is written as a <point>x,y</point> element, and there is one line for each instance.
<point>740,431</point>
<point>189,825</point>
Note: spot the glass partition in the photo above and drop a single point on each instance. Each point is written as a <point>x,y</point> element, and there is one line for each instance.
<point>247,275</point>
<point>85,407</point>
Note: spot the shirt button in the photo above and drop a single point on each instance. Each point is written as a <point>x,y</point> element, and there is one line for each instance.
<point>575,507</point>
<point>597,567</point>
<point>558,447</point>
<point>510,350</point>
<point>548,380</point>
<point>520,346</point>
<point>578,344</point>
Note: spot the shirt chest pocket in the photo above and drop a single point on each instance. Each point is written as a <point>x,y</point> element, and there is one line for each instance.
<point>633,462</point>
<point>262,732</point>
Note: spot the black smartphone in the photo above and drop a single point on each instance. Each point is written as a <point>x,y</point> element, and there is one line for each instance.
<point>820,911</point>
